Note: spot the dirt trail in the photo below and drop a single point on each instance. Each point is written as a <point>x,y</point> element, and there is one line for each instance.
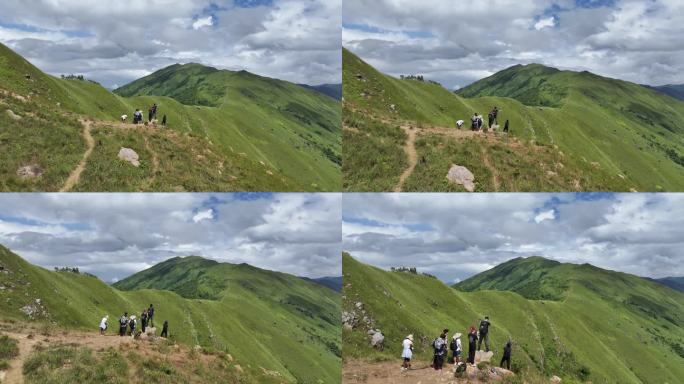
<point>76,173</point>
<point>410,149</point>
<point>361,372</point>
<point>155,163</point>
<point>496,183</point>
<point>26,343</point>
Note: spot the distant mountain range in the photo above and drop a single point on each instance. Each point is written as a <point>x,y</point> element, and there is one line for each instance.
<point>676,91</point>
<point>672,282</point>
<point>332,282</point>
<point>332,90</point>
<point>268,321</point>
<point>579,322</point>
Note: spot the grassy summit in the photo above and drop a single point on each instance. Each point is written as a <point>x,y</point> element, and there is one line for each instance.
<point>569,131</point>
<point>579,322</point>
<point>268,321</point>
<point>227,131</point>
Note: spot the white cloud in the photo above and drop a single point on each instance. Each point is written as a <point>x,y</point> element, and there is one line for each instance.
<point>545,215</point>
<point>203,22</point>
<point>545,23</point>
<point>203,215</point>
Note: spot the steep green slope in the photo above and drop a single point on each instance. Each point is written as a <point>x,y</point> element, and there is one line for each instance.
<point>264,319</point>
<point>569,131</point>
<point>262,135</point>
<point>591,334</point>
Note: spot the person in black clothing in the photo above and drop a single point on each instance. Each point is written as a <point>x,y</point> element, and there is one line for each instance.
<point>165,329</point>
<point>506,127</point>
<point>491,120</point>
<point>495,115</point>
<point>143,321</point>
<point>164,121</point>
<point>506,356</point>
<point>484,334</point>
<point>149,115</point>
<point>150,316</point>
<point>472,341</point>
<point>154,111</point>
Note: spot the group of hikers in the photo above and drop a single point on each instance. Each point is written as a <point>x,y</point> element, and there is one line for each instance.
<point>477,122</point>
<point>129,324</point>
<point>151,115</point>
<point>441,347</point>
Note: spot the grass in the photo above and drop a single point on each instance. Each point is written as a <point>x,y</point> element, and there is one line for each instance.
<point>262,318</point>
<point>251,123</point>
<point>575,321</point>
<point>8,350</point>
<point>610,135</point>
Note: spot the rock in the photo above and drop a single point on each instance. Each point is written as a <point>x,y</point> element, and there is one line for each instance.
<point>358,305</point>
<point>596,164</point>
<point>13,115</point>
<point>461,175</point>
<point>129,155</point>
<point>483,357</point>
<point>555,379</point>
<point>238,368</point>
<point>633,190</point>
<point>551,173</point>
<point>377,340</point>
<point>31,171</point>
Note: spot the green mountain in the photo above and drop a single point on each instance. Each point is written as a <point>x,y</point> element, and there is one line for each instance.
<point>332,90</point>
<point>569,131</point>
<point>268,321</point>
<point>587,327</point>
<point>227,131</point>
<point>674,90</point>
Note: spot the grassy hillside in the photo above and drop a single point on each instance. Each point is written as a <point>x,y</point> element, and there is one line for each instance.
<point>227,131</point>
<point>266,320</point>
<point>568,131</point>
<point>605,327</point>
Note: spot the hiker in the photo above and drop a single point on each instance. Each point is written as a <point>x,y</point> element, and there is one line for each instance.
<point>506,127</point>
<point>150,315</point>
<point>123,324</point>
<point>164,121</point>
<point>137,117</point>
<point>149,115</point>
<point>473,122</point>
<point>459,123</point>
<point>407,352</point>
<point>456,348</point>
<point>491,120</point>
<point>484,334</point>
<point>131,324</point>
<point>103,324</point>
<point>495,115</point>
<point>154,111</point>
<point>143,321</point>
<point>472,341</point>
<point>123,118</point>
<point>165,329</point>
<point>506,356</point>
<point>480,122</point>
<point>439,346</point>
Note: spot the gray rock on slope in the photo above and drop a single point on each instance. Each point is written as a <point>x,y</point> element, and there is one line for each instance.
<point>461,175</point>
<point>129,155</point>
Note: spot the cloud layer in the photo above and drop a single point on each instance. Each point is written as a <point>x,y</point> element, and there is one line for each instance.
<point>455,236</point>
<point>116,235</point>
<point>457,43</point>
<point>117,41</point>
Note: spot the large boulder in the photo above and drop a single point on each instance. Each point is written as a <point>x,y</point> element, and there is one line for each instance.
<point>129,155</point>
<point>13,115</point>
<point>483,357</point>
<point>377,339</point>
<point>462,176</point>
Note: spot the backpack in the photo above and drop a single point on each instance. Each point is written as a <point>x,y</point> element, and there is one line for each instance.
<point>454,345</point>
<point>484,327</point>
<point>438,344</point>
<point>123,321</point>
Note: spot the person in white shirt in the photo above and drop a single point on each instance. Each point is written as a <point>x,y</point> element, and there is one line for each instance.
<point>407,352</point>
<point>456,348</point>
<point>103,324</point>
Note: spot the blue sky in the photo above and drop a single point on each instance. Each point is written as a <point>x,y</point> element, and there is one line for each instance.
<point>115,235</point>
<point>119,41</point>
<point>458,44</point>
<point>454,236</point>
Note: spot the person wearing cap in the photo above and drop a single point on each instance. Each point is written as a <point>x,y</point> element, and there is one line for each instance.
<point>407,352</point>
<point>103,324</point>
<point>456,348</point>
